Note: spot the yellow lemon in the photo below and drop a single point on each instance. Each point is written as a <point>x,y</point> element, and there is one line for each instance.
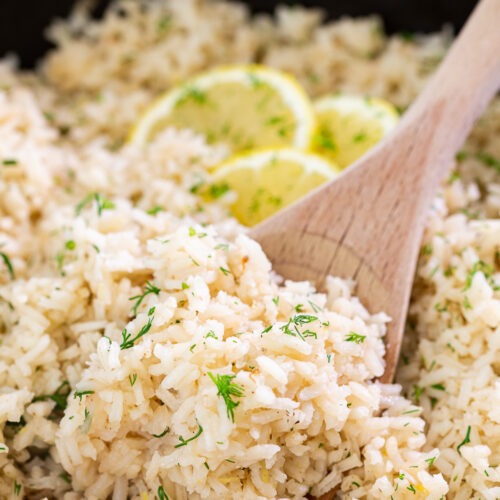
<point>245,106</point>
<point>266,181</point>
<point>350,125</point>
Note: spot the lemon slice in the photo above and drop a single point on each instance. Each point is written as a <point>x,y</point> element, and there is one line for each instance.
<point>246,106</point>
<point>350,125</point>
<point>266,181</point>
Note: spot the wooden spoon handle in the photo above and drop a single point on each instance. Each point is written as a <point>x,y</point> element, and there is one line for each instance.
<point>462,86</point>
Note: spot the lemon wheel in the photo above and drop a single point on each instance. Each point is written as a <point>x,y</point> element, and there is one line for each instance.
<point>269,180</point>
<point>245,106</point>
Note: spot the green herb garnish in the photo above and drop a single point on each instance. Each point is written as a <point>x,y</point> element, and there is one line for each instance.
<point>80,394</point>
<point>226,389</point>
<point>166,431</point>
<point>184,442</point>
<point>128,342</point>
<point>8,265</point>
<point>102,203</point>
<point>354,337</point>
<point>148,288</point>
<point>217,190</point>
<point>155,210</point>
<point>65,478</point>
<point>439,387</point>
<point>465,441</point>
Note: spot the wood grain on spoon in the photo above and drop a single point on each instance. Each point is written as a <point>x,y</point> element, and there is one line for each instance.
<point>367,224</point>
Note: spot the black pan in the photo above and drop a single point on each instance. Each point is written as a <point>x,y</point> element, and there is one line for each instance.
<point>22,21</point>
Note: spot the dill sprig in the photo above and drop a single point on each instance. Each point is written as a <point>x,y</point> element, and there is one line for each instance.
<point>9,265</point>
<point>166,431</point>
<point>354,337</point>
<point>161,493</point>
<point>184,442</point>
<point>102,203</point>
<point>465,441</point>
<point>148,288</point>
<point>302,319</point>
<point>486,269</point>
<point>226,389</point>
<point>128,342</point>
<point>80,394</point>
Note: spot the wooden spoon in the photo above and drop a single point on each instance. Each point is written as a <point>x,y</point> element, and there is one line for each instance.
<point>367,224</point>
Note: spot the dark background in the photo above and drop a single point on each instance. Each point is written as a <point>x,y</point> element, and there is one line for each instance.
<point>22,21</point>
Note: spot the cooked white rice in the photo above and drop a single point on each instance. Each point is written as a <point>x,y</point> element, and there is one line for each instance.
<point>311,416</point>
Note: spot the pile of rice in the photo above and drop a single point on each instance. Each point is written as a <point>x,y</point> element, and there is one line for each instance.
<point>88,223</point>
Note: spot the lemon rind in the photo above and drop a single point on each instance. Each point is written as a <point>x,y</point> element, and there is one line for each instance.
<point>259,158</point>
<point>370,108</point>
<point>286,85</point>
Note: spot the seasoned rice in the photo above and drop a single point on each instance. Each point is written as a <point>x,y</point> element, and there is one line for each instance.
<point>81,228</point>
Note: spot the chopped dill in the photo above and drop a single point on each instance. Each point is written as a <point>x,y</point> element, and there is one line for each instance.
<point>161,493</point>
<point>155,210</point>
<point>184,442</point>
<point>426,249</point>
<point>148,288</point>
<point>128,342</point>
<point>166,431</point>
<point>467,303</point>
<point>354,337</point>
<point>102,203</point>
<point>132,379</point>
<point>225,271</point>
<point>417,392</point>
<point>314,307</point>
<point>302,319</point>
<point>439,387</point>
<point>80,394</point>
<point>227,389</point>
<point>217,190</point>
<point>8,264</point>
<point>465,441</point>
<point>65,478</point>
